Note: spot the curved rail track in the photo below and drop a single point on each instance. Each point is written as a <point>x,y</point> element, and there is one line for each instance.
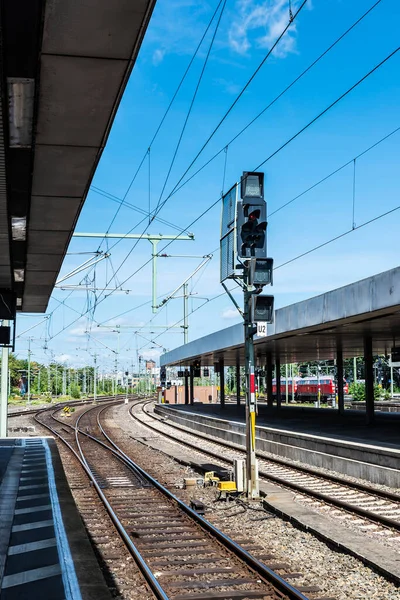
<point>33,411</point>
<point>371,504</point>
<point>181,554</point>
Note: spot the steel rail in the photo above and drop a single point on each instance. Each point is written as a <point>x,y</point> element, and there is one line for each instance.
<point>147,573</point>
<point>114,451</point>
<point>255,564</point>
<point>33,411</point>
<point>299,488</point>
<point>280,461</point>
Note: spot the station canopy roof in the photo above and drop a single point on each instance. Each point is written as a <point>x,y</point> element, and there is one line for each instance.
<point>65,65</point>
<point>313,329</point>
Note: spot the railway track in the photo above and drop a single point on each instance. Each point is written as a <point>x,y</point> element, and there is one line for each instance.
<point>366,507</point>
<point>181,554</point>
<point>33,411</point>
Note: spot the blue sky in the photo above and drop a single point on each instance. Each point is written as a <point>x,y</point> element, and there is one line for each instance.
<point>247,30</point>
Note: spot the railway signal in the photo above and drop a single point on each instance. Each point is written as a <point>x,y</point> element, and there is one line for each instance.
<point>251,223</point>
<point>244,259</point>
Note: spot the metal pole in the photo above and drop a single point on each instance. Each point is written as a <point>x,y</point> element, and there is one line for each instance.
<point>369,381</point>
<point>319,388</point>
<point>287,383</point>
<point>39,382</point>
<point>270,398</point>
<point>116,364</point>
<point>238,384</point>
<point>292,371</point>
<point>186,387</point>
<point>278,382</point>
<point>185,314</point>
<point>4,390</point>
<point>29,370</point>
<point>154,273</point>
<point>355,369</point>
<point>340,390</point>
<point>191,383</point>
<point>391,381</point>
<point>222,382</point>
<point>94,381</point>
<point>252,474</point>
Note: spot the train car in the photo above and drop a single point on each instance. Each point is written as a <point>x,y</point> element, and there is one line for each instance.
<point>292,384</point>
<point>307,388</point>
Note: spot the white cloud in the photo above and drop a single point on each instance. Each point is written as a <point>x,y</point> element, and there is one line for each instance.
<point>153,353</point>
<point>158,56</point>
<point>263,22</point>
<point>228,86</point>
<point>230,313</point>
<point>63,358</point>
<point>176,27</point>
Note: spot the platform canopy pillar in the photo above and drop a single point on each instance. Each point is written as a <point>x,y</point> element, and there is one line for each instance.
<point>268,374</point>
<point>4,391</point>
<point>222,381</point>
<point>369,381</point>
<point>238,383</point>
<point>186,386</point>
<point>278,382</point>
<point>340,390</point>
<point>191,380</point>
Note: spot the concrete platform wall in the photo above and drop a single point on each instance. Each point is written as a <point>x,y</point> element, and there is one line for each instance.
<point>374,464</point>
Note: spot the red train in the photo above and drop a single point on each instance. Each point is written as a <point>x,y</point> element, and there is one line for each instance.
<point>292,382</point>
<point>307,388</point>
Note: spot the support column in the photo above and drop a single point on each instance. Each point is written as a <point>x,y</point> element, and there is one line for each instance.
<point>238,384</point>
<point>191,378</point>
<point>278,382</point>
<point>4,391</point>
<point>222,382</point>
<point>186,386</point>
<point>369,381</point>
<point>340,390</point>
<point>269,381</point>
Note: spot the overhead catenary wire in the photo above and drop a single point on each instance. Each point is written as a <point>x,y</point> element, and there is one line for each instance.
<point>334,172</point>
<point>191,106</point>
<point>265,109</point>
<point>338,237</point>
<point>328,108</point>
<point>181,134</point>
<point>310,251</point>
<point>232,106</point>
<point>282,146</point>
<point>163,118</point>
<point>113,198</point>
<point>221,121</point>
<point>278,97</point>
<point>210,207</point>
<point>195,310</point>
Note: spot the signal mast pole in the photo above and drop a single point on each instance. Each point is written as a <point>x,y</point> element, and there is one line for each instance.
<point>244,259</point>
<point>251,466</point>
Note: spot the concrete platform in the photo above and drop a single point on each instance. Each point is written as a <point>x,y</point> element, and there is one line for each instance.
<point>317,437</point>
<point>44,549</point>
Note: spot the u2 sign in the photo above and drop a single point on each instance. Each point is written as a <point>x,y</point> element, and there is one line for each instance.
<point>262,328</point>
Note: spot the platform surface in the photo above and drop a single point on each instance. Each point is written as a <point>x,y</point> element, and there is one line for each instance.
<point>44,550</point>
<point>322,422</point>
